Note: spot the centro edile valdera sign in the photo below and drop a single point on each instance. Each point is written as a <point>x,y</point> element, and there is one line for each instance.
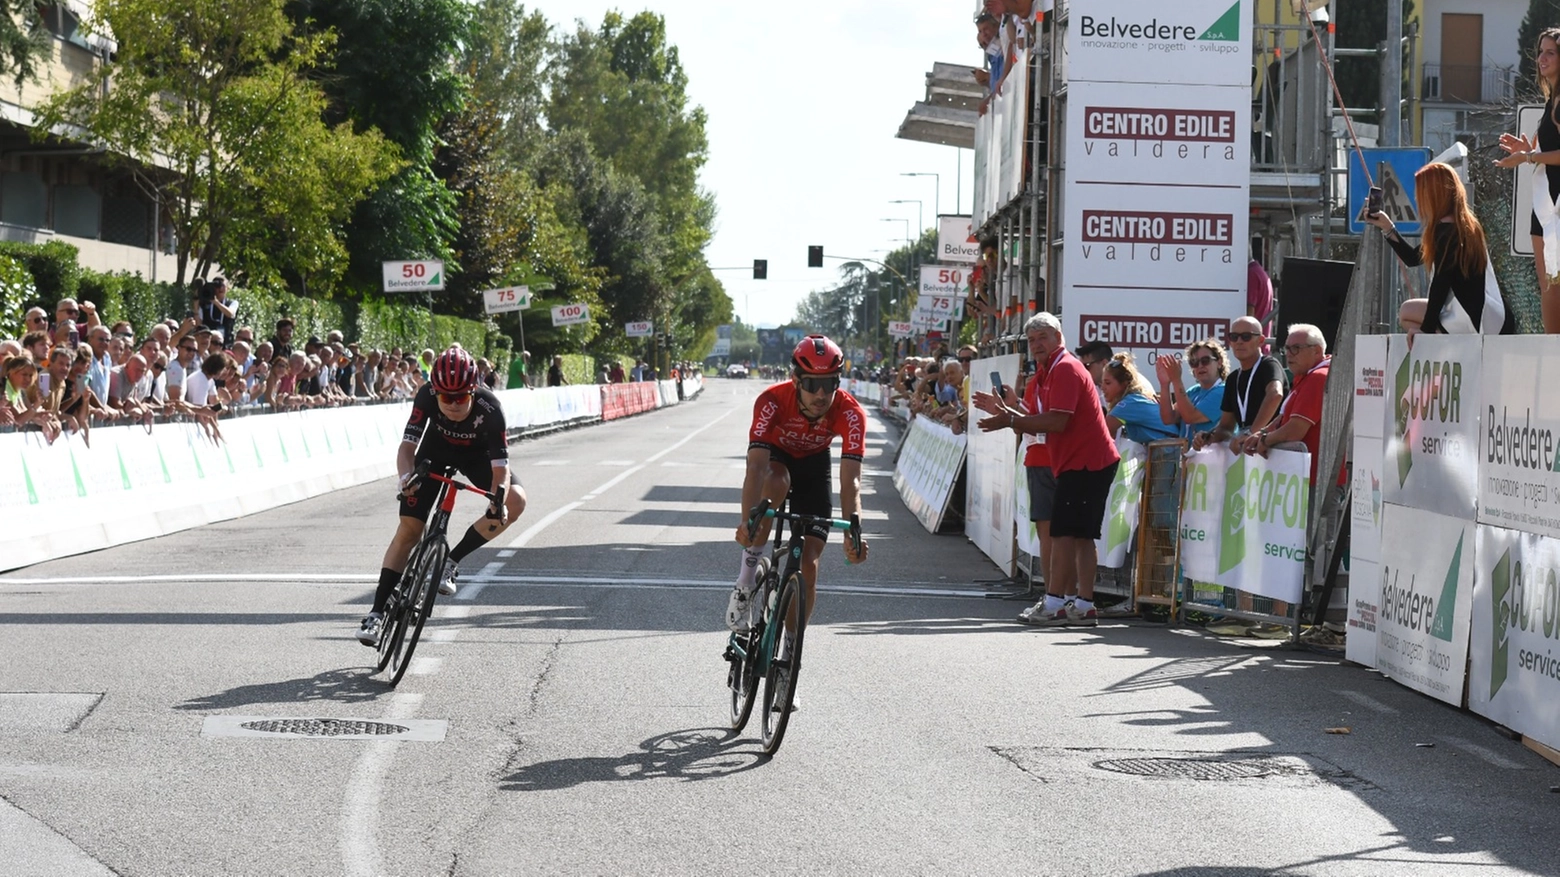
<point>1158,174</point>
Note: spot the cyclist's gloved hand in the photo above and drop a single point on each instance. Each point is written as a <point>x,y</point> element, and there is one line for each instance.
<point>498,512</point>
<point>409,483</point>
<point>855,556</point>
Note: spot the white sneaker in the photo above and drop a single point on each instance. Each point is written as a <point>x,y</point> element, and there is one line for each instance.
<point>368,632</point>
<point>739,610</point>
<point>447,585</point>
<point>1028,615</point>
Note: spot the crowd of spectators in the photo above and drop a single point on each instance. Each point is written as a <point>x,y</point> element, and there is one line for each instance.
<point>71,371</point>
<point>1003,28</point>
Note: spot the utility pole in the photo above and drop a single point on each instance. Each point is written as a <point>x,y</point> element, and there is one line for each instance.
<point>1392,77</point>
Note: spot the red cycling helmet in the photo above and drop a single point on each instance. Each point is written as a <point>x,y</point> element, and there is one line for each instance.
<point>453,372</point>
<point>817,355</point>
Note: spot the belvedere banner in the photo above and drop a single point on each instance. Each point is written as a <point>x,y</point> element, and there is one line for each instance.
<point>1425,600</point>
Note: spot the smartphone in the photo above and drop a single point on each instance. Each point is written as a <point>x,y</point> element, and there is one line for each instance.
<point>1373,201</point>
<point>996,383</point>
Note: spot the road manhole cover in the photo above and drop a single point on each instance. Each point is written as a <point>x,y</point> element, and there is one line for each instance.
<point>1190,768</point>
<point>323,727</point>
<point>315,728</point>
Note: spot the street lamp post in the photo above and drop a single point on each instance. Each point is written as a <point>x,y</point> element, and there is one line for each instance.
<point>920,214</point>
<point>936,191</point>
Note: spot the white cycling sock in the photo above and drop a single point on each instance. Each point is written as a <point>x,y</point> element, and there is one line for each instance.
<point>749,566</point>
<point>1082,605</point>
<point>1053,603</point>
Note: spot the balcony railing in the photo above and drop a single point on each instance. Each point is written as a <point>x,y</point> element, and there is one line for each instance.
<point>1469,84</point>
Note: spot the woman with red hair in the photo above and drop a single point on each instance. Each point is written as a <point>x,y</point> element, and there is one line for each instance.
<point>1464,298</point>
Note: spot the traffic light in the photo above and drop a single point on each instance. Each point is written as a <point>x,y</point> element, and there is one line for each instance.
<point>815,257</point>
<point>760,269</point>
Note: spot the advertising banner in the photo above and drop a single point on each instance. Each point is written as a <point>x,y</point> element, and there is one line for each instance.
<point>1513,662</point>
<point>1425,601</point>
<point>928,465</point>
<point>944,281</point>
<point>1370,385</point>
<point>1122,509</point>
<point>1202,504</point>
<point>1432,438</point>
<point>900,329</point>
<point>955,241</point>
<point>1519,436</point>
<point>569,315</point>
<point>1262,547</point>
<point>938,307</point>
<point>1028,537</point>
<point>1205,42</point>
<point>1359,644</point>
<point>989,486</point>
<point>643,329</point>
<point>1158,133</point>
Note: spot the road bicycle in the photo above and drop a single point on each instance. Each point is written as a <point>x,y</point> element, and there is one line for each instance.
<point>411,601</point>
<point>756,654</point>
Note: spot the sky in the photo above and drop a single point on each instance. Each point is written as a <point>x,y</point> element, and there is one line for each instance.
<point>804,100</point>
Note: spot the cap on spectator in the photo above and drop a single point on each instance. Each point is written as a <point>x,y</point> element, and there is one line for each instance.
<point>314,341</point>
<point>285,321</point>
<point>219,280</point>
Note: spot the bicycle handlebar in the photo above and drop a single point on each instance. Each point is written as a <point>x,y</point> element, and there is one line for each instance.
<point>424,471</point>
<point>851,527</point>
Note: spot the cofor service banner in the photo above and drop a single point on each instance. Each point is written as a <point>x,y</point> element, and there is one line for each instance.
<point>1123,509</point>
<point>1515,644</point>
<point>1432,429</point>
<point>1243,520</point>
<point>1519,436</point>
<point>1425,600</point>
<point>928,466</point>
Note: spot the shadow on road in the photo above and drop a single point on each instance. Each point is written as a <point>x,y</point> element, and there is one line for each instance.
<point>348,685</point>
<point>688,755</point>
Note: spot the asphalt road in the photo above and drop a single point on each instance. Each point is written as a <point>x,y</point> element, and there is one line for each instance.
<point>573,696</point>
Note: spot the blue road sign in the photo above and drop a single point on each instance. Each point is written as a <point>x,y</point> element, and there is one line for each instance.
<point>1397,186</point>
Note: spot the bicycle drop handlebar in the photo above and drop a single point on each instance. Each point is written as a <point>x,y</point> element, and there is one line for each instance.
<point>851,527</point>
<point>423,471</point>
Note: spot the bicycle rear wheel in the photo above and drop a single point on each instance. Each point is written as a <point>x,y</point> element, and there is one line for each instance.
<point>784,664</point>
<point>419,605</point>
<point>392,624</point>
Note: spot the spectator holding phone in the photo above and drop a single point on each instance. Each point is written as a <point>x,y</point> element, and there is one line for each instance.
<point>1464,298</point>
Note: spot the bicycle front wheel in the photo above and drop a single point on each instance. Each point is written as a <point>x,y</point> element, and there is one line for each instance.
<point>742,677</point>
<point>784,663</point>
<point>392,624</point>
<point>419,605</point>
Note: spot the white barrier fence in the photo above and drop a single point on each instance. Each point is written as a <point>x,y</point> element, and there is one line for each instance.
<point>134,483</point>
<point>1455,560</point>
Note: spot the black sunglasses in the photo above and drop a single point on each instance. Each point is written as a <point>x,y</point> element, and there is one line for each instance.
<point>818,385</point>
<point>1244,336</point>
<point>1200,360</point>
<point>965,360</point>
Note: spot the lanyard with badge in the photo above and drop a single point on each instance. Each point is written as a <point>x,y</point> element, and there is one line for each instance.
<point>1243,400</point>
<point>1040,377</point>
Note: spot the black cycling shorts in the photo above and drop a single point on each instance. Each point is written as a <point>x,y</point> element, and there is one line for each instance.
<point>812,488</point>
<point>477,470</point>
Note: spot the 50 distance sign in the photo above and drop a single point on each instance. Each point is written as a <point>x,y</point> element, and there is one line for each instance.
<point>426,274</point>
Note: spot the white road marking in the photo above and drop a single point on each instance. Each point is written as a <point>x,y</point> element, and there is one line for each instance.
<point>455,612</point>
<point>611,483</point>
<point>442,635</point>
<point>531,531</point>
<point>1489,755</point>
<point>1368,702</point>
<point>475,583</point>
<point>887,589</point>
<point>507,552</point>
<point>549,462</point>
<point>614,462</point>
<point>425,665</point>
<point>300,577</point>
<point>360,854</point>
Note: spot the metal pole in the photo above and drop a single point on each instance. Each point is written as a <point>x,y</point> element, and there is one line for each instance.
<point>1392,77</point>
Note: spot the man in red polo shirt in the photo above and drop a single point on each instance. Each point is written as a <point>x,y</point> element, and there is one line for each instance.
<point>1300,415</point>
<point>1083,460</point>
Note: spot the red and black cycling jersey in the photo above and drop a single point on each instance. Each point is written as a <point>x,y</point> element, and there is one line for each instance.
<point>482,433</point>
<point>778,424</point>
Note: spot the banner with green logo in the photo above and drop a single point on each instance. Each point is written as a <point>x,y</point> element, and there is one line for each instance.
<point>1425,600</point>
<point>1433,392</point>
<point>1519,459</point>
<point>1262,546</point>
<point>1202,508</point>
<point>1514,650</point>
<point>1124,507</point>
<point>928,465</point>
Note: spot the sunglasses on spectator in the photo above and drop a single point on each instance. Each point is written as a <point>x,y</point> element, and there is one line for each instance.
<point>1244,336</point>
<point>455,398</point>
<point>1200,360</point>
<point>188,347</point>
<point>818,386</point>
<point>965,360</point>
<point>1292,349</point>
<point>72,311</point>
<point>37,319</point>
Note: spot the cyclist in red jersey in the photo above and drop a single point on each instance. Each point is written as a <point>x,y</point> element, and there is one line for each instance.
<point>794,423</point>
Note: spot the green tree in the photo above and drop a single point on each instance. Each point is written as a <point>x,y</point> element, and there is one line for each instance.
<point>24,41</point>
<point>192,106</point>
<point>394,68</point>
